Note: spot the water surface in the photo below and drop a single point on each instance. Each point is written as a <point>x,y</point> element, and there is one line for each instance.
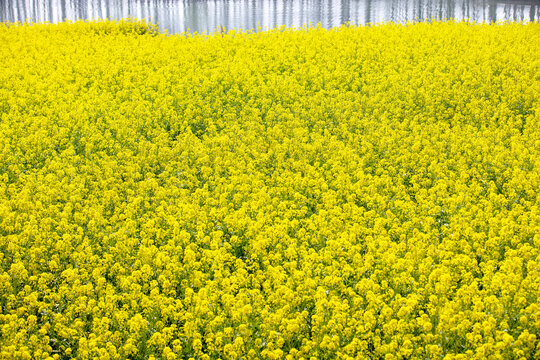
<point>206,15</point>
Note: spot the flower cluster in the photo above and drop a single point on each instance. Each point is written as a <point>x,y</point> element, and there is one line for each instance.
<point>354,193</point>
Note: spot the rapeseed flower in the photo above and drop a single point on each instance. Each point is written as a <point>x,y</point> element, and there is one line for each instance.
<point>354,193</point>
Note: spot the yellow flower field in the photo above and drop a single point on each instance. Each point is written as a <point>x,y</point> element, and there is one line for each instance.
<point>355,193</point>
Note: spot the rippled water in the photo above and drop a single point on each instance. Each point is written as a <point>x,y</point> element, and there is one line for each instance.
<point>206,15</point>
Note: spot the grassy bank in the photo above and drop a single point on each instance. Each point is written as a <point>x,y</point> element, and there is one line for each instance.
<point>358,193</point>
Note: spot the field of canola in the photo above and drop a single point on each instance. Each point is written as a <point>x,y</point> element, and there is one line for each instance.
<point>358,193</point>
